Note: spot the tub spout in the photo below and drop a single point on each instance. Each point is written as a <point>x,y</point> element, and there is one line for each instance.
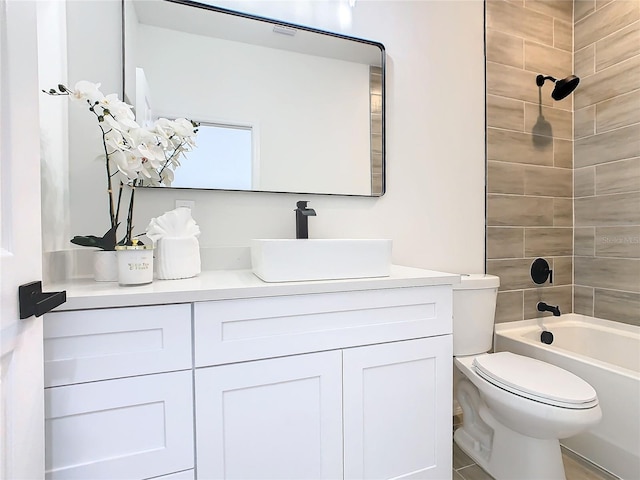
<point>543,307</point>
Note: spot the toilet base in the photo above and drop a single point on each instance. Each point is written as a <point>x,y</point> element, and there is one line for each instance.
<point>533,459</point>
<point>502,452</point>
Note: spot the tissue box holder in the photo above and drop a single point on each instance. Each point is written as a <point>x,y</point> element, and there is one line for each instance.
<point>177,258</point>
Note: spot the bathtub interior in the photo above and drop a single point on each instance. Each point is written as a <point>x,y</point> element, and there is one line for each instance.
<point>613,444</point>
<point>600,342</point>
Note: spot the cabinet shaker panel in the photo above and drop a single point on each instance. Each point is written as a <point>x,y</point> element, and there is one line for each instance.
<point>397,410</point>
<point>184,475</point>
<point>133,428</point>
<point>228,331</point>
<point>271,419</point>
<point>88,345</point>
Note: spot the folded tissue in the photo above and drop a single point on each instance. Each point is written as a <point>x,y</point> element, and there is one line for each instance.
<point>175,237</point>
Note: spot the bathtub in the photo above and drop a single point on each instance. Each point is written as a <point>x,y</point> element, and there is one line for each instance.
<point>607,355</point>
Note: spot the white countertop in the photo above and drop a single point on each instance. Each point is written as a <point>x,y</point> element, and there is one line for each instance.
<point>230,284</point>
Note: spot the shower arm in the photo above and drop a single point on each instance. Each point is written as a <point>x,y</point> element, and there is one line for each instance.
<point>540,79</point>
<point>563,87</point>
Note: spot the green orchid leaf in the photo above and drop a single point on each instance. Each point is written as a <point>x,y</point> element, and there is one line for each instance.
<point>86,241</point>
<point>106,242</point>
<point>109,238</point>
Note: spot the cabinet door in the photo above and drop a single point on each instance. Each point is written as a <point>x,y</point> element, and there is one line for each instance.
<point>278,418</point>
<point>397,410</point>
<point>138,427</point>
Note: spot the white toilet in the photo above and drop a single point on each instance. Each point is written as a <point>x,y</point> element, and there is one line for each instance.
<point>515,408</point>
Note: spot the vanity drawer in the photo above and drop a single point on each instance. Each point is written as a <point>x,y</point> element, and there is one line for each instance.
<point>229,331</point>
<point>128,428</point>
<point>88,345</point>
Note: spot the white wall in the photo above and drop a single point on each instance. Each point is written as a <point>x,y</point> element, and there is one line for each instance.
<point>93,54</point>
<point>434,205</point>
<point>52,70</point>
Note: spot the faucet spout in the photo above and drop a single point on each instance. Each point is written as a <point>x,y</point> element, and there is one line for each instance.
<point>543,307</point>
<point>302,215</point>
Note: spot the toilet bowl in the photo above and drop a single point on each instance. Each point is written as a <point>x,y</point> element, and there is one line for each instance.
<point>515,408</point>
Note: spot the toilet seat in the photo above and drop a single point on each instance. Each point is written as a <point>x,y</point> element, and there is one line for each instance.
<point>535,380</point>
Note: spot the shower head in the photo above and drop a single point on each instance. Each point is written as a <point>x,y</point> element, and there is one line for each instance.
<point>563,87</point>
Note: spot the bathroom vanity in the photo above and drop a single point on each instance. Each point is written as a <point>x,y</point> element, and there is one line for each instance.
<point>226,376</point>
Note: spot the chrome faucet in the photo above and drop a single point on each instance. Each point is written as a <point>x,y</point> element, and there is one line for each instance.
<point>302,214</point>
<point>543,307</point>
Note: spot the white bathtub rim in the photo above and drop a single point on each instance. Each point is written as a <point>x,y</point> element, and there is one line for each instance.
<point>515,330</point>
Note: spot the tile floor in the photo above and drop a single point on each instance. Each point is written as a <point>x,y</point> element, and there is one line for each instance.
<point>576,468</point>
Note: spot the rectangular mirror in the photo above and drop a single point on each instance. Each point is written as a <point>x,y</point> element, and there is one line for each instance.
<point>282,107</point>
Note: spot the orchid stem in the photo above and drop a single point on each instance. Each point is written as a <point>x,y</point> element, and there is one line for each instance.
<point>130,213</point>
<point>112,213</point>
<point>120,188</point>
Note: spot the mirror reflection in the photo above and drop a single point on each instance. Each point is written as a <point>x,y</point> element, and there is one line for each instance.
<point>282,108</point>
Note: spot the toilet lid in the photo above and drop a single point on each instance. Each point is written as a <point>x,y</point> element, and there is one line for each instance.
<point>535,380</point>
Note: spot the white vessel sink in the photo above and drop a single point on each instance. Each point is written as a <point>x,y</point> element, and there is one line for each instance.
<point>286,260</point>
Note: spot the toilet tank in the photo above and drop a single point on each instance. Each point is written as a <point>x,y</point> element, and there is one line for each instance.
<point>474,308</point>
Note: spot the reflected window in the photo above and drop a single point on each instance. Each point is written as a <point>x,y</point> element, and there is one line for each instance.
<point>222,159</point>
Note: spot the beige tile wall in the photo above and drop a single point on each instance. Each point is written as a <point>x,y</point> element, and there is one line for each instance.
<point>552,163</point>
<point>607,160</point>
<point>375,87</point>
<point>529,153</point>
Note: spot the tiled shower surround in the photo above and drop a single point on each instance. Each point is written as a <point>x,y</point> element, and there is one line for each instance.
<point>545,173</point>
<point>607,160</point>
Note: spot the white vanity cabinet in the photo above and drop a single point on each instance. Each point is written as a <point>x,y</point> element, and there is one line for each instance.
<point>373,400</point>
<point>119,401</point>
<point>228,377</point>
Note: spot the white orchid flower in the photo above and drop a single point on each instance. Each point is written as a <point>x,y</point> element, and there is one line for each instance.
<point>128,164</point>
<point>142,135</point>
<point>164,124</point>
<point>167,177</point>
<point>128,123</point>
<point>175,134</point>
<point>152,153</point>
<point>163,128</point>
<point>84,90</point>
<point>113,123</point>
<point>183,127</point>
<point>118,140</point>
<point>119,110</point>
<point>162,135</point>
<point>148,172</point>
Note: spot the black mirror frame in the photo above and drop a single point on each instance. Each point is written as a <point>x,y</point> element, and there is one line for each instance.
<point>377,190</point>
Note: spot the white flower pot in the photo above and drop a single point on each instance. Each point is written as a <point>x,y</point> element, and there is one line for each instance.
<point>105,266</point>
